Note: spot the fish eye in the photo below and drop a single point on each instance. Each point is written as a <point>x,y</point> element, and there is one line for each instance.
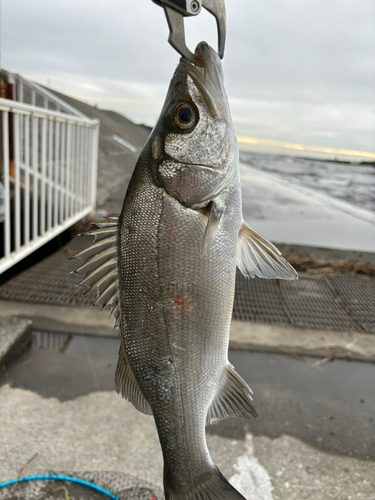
<point>184,115</point>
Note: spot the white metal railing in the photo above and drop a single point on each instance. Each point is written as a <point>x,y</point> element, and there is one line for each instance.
<point>48,165</point>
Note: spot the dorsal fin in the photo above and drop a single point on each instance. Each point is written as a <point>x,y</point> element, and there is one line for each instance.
<point>100,266</point>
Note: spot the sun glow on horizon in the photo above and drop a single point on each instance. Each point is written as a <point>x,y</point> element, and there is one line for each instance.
<point>300,147</point>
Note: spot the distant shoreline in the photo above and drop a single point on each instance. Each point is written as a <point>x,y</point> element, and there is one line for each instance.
<point>323,160</point>
<point>362,163</point>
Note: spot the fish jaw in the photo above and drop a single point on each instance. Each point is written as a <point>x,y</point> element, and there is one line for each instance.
<point>209,79</point>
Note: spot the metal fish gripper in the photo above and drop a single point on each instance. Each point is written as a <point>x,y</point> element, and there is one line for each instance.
<point>176,10</point>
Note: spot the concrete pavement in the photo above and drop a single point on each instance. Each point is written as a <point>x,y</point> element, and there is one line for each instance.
<point>100,431</point>
<point>15,334</point>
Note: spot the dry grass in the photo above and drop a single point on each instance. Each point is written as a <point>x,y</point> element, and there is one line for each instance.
<point>320,266</point>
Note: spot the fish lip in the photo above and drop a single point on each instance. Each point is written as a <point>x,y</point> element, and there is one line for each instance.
<point>199,78</point>
<point>191,68</point>
<point>209,86</point>
<point>212,71</point>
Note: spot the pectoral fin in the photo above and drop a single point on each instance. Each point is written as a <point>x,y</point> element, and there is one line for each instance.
<point>126,383</point>
<point>258,257</point>
<point>212,225</point>
<point>233,399</point>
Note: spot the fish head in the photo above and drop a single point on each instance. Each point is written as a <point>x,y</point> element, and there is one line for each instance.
<point>194,143</point>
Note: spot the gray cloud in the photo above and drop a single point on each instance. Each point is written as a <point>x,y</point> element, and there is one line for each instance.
<point>296,71</point>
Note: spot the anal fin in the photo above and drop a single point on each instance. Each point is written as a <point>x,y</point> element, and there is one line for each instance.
<point>126,382</point>
<point>233,399</point>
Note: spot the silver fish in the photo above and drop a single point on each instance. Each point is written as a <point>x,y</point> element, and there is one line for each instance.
<point>167,268</point>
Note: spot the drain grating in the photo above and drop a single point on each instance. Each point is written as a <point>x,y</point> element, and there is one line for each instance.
<point>338,302</point>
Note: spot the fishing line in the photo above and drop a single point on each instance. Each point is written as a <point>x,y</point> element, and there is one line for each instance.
<point>61,478</point>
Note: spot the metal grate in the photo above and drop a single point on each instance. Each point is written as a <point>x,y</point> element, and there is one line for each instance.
<point>258,300</point>
<point>358,295</point>
<point>312,303</point>
<point>337,302</point>
<point>50,281</point>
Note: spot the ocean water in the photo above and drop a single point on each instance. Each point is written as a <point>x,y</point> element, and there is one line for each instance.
<point>350,182</point>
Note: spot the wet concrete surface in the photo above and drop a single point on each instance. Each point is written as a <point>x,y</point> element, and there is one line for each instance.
<point>65,366</point>
<point>331,406</point>
<point>292,214</point>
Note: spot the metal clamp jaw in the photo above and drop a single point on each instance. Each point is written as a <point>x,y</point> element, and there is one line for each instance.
<point>176,10</point>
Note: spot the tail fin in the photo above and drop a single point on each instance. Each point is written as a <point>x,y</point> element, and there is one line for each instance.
<point>212,486</point>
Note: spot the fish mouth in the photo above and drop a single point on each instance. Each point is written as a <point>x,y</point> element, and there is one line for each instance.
<point>199,165</point>
<point>209,79</point>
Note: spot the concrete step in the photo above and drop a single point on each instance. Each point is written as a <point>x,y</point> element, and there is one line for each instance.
<point>15,335</point>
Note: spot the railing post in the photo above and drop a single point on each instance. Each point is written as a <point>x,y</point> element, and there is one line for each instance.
<point>89,165</point>
<point>20,91</point>
<point>81,164</point>
<point>6,182</point>
<point>43,182</point>
<point>17,194</point>
<point>27,177</point>
<point>68,164</point>
<point>94,161</point>
<point>34,153</point>
<point>20,98</point>
<point>50,174</point>
<point>62,172</point>
<point>56,201</point>
<point>72,168</point>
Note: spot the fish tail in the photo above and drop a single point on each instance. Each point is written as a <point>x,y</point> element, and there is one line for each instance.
<point>212,486</point>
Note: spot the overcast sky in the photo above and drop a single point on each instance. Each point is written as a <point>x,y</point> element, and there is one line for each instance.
<point>300,71</point>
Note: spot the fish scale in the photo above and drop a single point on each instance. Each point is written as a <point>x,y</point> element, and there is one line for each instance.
<point>190,335</point>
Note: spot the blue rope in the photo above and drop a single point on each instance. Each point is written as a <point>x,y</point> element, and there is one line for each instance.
<point>61,478</point>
